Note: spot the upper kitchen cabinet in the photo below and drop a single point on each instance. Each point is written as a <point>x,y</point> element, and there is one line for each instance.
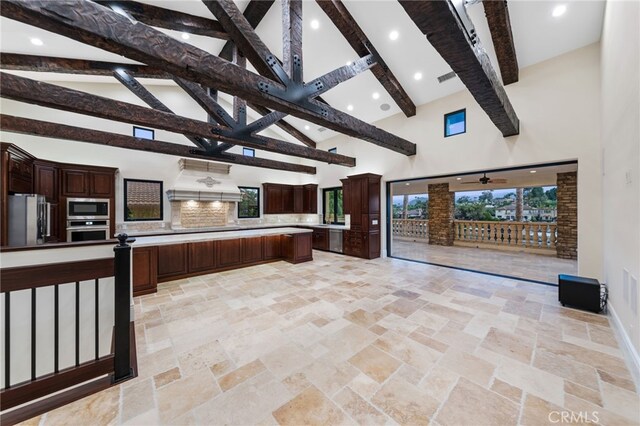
<point>361,194</point>
<point>285,199</point>
<point>18,166</point>
<point>93,182</point>
<point>46,180</point>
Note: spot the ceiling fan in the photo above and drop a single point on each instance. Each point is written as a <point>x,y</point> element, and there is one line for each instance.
<point>485,180</point>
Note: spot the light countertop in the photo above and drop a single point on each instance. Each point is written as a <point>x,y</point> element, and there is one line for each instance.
<point>239,227</point>
<point>157,240</point>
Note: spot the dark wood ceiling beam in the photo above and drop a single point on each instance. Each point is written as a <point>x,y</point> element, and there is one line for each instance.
<point>60,131</point>
<point>284,126</point>
<point>440,22</point>
<point>98,26</point>
<point>292,39</point>
<point>147,97</point>
<point>51,96</point>
<point>355,36</point>
<point>19,62</point>
<point>253,13</point>
<point>168,19</point>
<point>242,35</point>
<point>497,13</point>
<point>344,73</point>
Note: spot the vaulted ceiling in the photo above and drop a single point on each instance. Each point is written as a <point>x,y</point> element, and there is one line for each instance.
<point>368,96</point>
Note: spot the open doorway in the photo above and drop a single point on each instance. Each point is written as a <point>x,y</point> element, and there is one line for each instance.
<point>519,223</point>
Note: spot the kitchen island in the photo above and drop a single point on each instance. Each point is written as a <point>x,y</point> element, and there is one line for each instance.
<point>161,258</point>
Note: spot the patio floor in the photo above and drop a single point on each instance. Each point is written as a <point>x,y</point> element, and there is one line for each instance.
<point>515,264</point>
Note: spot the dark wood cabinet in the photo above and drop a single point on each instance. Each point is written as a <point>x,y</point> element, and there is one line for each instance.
<point>54,223</point>
<point>229,253</point>
<point>202,256</point>
<point>298,199</point>
<point>272,198</point>
<point>271,247</point>
<point>251,250</point>
<point>101,184</point>
<point>172,260</point>
<point>46,180</point>
<point>310,198</point>
<point>285,199</point>
<point>75,183</point>
<point>145,270</point>
<point>296,248</point>
<point>16,171</point>
<point>362,202</point>
<point>320,239</point>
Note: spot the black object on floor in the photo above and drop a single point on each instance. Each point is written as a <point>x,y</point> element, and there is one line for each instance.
<point>580,292</point>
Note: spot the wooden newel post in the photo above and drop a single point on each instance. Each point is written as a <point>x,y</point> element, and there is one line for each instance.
<point>122,338</point>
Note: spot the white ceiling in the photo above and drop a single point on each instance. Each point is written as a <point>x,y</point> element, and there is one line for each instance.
<point>538,37</point>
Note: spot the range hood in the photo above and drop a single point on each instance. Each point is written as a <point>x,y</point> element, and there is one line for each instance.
<point>203,181</point>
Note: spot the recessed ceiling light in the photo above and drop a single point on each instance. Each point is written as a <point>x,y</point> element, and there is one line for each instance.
<point>349,63</point>
<point>532,171</point>
<point>417,76</point>
<point>407,184</point>
<point>36,41</point>
<point>307,127</point>
<point>185,36</point>
<point>458,178</point>
<point>559,10</point>
<point>375,95</point>
<point>393,35</point>
<point>350,107</point>
<point>315,24</point>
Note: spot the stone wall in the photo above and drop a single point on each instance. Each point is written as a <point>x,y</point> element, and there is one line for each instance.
<point>199,214</point>
<point>441,211</point>
<point>567,244</point>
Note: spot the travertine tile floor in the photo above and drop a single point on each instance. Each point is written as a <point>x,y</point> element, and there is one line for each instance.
<point>537,267</point>
<point>346,341</point>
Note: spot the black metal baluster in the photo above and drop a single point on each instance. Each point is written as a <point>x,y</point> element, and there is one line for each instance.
<point>56,332</point>
<point>33,334</point>
<point>97,321</point>
<point>7,339</point>
<point>77,323</point>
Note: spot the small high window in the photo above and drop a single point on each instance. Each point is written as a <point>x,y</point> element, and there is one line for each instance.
<point>249,152</point>
<point>249,207</point>
<point>455,123</point>
<point>142,133</point>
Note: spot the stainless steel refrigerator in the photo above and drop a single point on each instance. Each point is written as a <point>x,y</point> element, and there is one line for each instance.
<point>29,219</point>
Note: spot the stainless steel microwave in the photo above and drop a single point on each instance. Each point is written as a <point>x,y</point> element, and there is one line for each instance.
<point>87,208</point>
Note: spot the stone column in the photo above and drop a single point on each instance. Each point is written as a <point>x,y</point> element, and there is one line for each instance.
<point>405,206</point>
<point>441,210</point>
<point>567,244</point>
<point>519,203</point>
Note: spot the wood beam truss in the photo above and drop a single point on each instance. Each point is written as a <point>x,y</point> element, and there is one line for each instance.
<point>48,95</point>
<point>355,36</point>
<point>166,18</point>
<point>497,14</point>
<point>61,131</point>
<point>451,33</point>
<point>96,25</point>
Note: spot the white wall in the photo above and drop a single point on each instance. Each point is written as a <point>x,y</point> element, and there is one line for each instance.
<point>621,152</point>
<point>557,102</point>
<point>136,164</point>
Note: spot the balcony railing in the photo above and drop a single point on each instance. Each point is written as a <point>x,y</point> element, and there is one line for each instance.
<point>411,229</point>
<point>527,236</point>
<point>519,235</point>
